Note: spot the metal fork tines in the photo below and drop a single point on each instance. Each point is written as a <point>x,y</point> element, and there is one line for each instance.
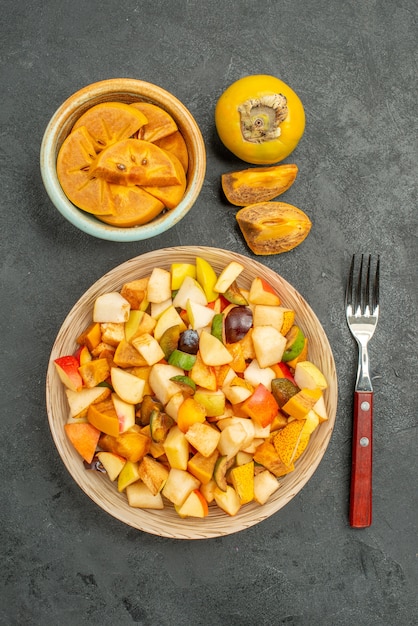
<point>362,312</point>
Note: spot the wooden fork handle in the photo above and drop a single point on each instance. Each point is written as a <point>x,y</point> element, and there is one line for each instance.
<point>361,461</point>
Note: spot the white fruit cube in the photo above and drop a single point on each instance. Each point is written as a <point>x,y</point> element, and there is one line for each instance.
<point>195,505</point>
<point>159,285</point>
<point>269,345</point>
<point>149,348</point>
<point>265,484</point>
<point>128,387</point>
<point>265,315</point>
<point>245,422</point>
<point>159,380</point>
<point>179,486</point>
<point>113,463</point>
<point>79,401</point>
<point>321,410</point>
<point>189,290</point>
<point>255,374</point>
<point>228,500</point>
<point>158,308</point>
<point>111,307</point>
<point>140,497</point>
<point>237,393</point>
<point>203,438</point>
<point>231,440</point>
<point>199,315</point>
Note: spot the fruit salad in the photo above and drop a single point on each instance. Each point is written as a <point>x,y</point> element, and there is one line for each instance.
<point>187,390</point>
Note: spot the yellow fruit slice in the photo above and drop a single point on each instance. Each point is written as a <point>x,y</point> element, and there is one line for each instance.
<point>159,124</point>
<point>108,122</point>
<point>132,207</point>
<point>75,157</point>
<point>273,227</point>
<point>170,195</point>
<point>176,145</point>
<point>258,184</point>
<point>135,162</point>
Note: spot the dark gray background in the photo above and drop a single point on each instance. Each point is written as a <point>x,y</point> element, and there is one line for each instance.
<point>354,65</point>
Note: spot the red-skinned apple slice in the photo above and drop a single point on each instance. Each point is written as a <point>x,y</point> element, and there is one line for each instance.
<point>67,370</point>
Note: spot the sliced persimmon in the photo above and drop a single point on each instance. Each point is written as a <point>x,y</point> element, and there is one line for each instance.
<point>132,205</point>
<point>176,145</point>
<point>75,157</point>
<point>159,124</point>
<point>170,195</point>
<point>109,122</point>
<point>136,162</point>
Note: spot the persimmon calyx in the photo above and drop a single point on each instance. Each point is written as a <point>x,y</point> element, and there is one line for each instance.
<point>261,117</point>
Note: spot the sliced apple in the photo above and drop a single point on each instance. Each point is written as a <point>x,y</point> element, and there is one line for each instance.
<point>195,505</point>
<point>265,484</point>
<point>125,412</point>
<point>159,285</point>
<point>84,438</point>
<point>67,370</point>
<point>321,410</point>
<point>212,400</point>
<point>113,463</point>
<point>169,318</point>
<point>269,345</point>
<point>212,351</point>
<point>200,316</point>
<point>128,475</point>
<point>262,293</point>
<point>79,401</point>
<point>149,348</point>
<point>189,290</point>
<point>203,438</point>
<point>179,486</point>
<point>140,497</point>
<point>161,383</point>
<point>255,374</point>
<point>207,278</point>
<point>228,275</point>
<point>129,388</point>
<point>176,448</point>
<point>232,439</point>
<point>111,307</point>
<point>307,375</point>
<point>227,500</point>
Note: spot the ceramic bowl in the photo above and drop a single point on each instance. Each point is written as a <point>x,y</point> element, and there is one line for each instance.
<point>121,90</point>
<point>166,522</point>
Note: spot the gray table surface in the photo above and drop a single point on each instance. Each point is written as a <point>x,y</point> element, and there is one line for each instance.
<point>354,65</point>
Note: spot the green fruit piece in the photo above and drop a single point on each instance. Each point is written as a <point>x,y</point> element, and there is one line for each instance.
<point>283,389</point>
<point>222,465</point>
<point>206,276</point>
<point>169,340</point>
<point>294,344</point>
<point>160,423</point>
<point>233,294</point>
<point>187,385</point>
<point>217,326</point>
<point>182,359</point>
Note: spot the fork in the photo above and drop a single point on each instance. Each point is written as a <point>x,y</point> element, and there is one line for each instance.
<point>362,312</point>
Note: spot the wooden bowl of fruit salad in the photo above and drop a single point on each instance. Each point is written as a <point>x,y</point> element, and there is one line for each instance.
<point>191,392</point>
<point>123,160</point>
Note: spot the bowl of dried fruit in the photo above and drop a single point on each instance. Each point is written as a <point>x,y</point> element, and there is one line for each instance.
<point>123,160</point>
<point>191,392</point>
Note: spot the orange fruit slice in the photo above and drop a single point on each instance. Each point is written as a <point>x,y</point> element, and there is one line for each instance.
<point>108,122</point>
<point>170,195</point>
<point>136,162</point>
<point>176,145</point>
<point>159,124</point>
<point>75,157</point>
<point>132,207</point>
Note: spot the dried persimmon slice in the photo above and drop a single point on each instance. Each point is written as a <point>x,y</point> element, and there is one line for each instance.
<point>75,157</point>
<point>159,124</point>
<point>136,162</point>
<point>109,122</point>
<point>170,195</point>
<point>133,207</point>
<point>176,145</point>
